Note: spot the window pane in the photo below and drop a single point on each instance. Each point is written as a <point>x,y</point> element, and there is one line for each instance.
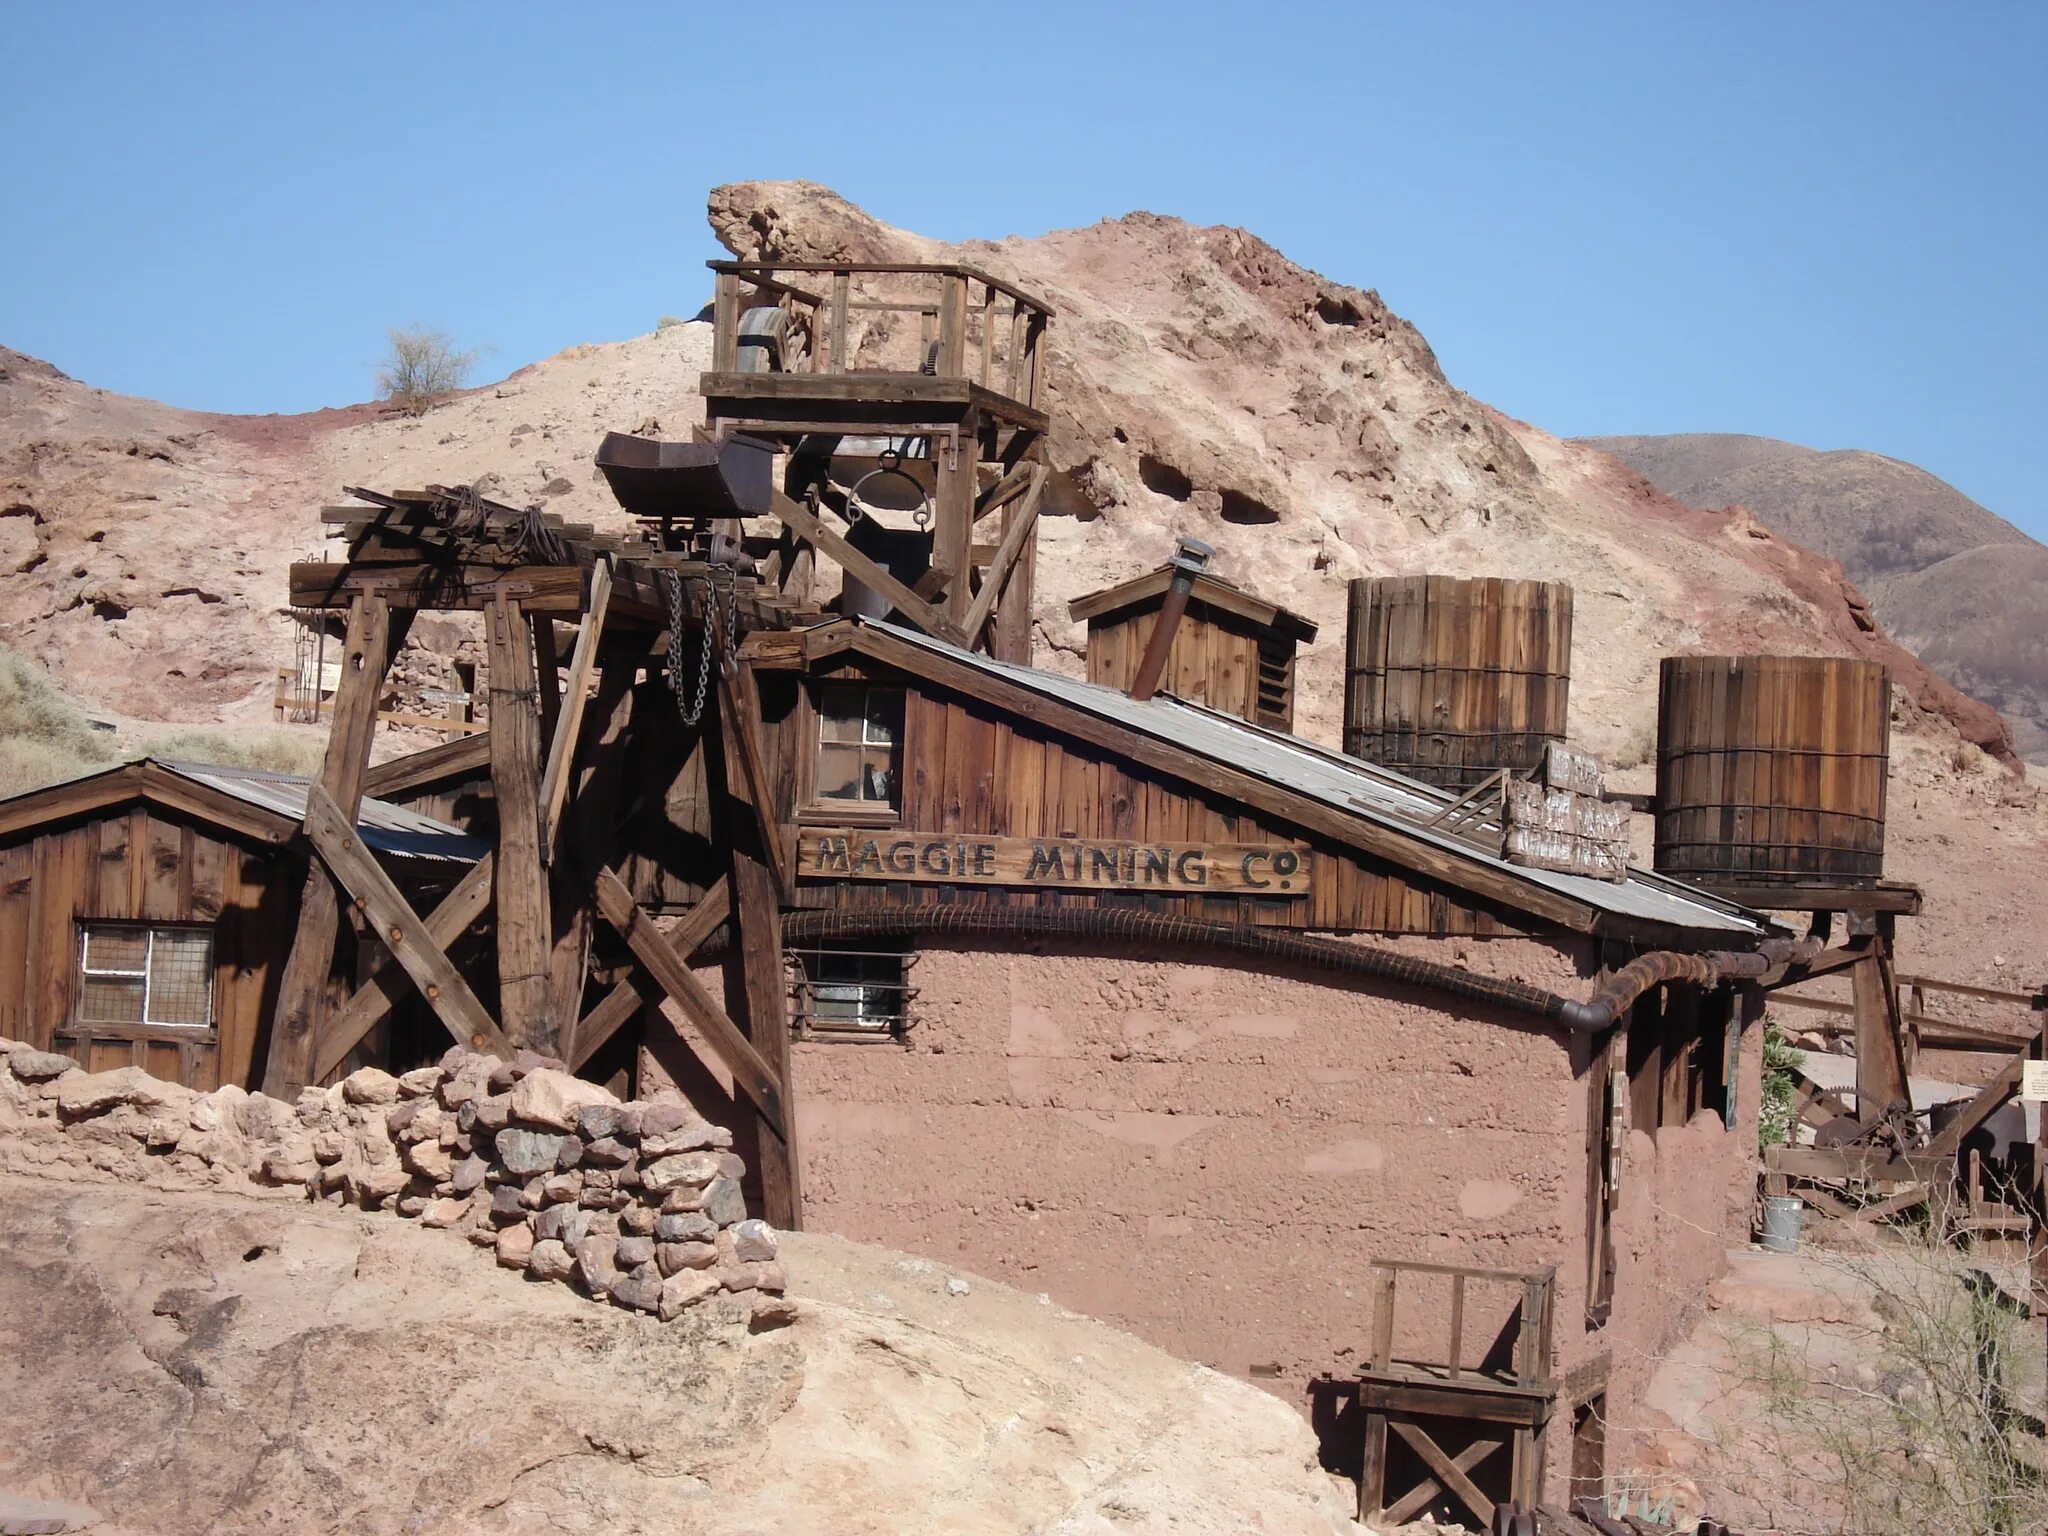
<point>181,976</point>
<point>878,777</point>
<point>839,712</point>
<point>110,1000</point>
<point>885,716</point>
<point>838,773</point>
<point>115,949</point>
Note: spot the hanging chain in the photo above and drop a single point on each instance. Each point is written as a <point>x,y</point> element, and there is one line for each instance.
<point>692,706</point>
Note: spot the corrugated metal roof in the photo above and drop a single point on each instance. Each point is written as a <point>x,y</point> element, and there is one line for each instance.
<point>385,828</point>
<point>1348,784</point>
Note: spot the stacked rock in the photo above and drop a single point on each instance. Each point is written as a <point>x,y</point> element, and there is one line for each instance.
<point>637,1202</point>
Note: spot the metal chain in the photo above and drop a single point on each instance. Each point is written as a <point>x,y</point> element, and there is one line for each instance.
<point>692,707</point>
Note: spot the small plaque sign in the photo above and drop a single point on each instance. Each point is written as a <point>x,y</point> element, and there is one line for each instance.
<point>1240,869</point>
<point>2034,1081</point>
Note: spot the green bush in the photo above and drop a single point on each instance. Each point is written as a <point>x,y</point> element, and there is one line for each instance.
<point>1782,1062</point>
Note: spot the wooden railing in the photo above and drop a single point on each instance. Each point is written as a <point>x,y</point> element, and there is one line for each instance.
<point>1530,1365</point>
<point>970,325</point>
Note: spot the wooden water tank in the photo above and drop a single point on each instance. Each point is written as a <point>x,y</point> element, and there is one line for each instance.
<point>1448,680</point>
<point>1771,769</point>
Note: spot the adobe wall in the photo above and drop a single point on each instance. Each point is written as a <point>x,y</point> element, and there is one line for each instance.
<point>1206,1155</point>
<point>1685,1199</point>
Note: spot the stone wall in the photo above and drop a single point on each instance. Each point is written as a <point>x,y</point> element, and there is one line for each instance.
<point>637,1203</point>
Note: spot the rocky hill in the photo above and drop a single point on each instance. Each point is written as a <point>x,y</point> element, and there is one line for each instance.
<point>1954,583</point>
<point>210,1362</point>
<point>1201,383</point>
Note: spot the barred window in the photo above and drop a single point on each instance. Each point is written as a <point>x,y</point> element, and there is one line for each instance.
<point>132,974</point>
<point>860,745</point>
<point>853,991</point>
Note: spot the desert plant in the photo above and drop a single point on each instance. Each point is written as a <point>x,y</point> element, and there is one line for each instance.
<point>422,366</point>
<point>667,322</point>
<point>1782,1062</point>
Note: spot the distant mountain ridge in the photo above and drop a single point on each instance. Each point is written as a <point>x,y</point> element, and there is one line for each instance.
<point>1950,580</point>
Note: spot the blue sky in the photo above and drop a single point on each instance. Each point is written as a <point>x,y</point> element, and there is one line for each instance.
<point>1822,222</point>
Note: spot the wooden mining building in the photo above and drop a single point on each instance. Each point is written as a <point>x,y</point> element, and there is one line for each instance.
<point>1284,1059</point>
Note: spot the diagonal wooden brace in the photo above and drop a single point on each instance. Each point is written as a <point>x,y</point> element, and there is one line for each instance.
<point>373,1001</point>
<point>753,1075</point>
<point>1012,545</point>
<point>349,862</point>
<point>625,999</point>
<point>908,603</point>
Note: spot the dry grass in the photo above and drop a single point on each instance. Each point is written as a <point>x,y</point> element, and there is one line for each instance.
<point>45,738</point>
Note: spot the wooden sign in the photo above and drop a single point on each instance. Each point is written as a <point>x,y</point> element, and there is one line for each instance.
<point>827,853</point>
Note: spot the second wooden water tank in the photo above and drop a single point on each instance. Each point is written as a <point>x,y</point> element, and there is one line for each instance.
<point>1449,679</point>
<point>1771,769</point>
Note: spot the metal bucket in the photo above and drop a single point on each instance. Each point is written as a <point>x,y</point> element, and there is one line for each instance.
<point>1784,1215</point>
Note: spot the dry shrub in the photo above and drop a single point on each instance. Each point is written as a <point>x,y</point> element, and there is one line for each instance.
<point>44,739</point>
<point>269,750</point>
<point>422,366</point>
<point>1938,1429</point>
<point>1637,748</point>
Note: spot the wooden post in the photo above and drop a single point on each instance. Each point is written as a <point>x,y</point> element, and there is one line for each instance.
<point>588,824</point>
<point>762,1010</point>
<point>302,991</point>
<point>1372,1479</point>
<point>1880,1057</point>
<point>1011,640</point>
<point>725,323</point>
<point>525,933</point>
<point>953,506</point>
<point>755,991</point>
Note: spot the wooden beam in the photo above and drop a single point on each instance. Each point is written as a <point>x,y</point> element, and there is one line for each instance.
<point>536,588</point>
<point>524,926</point>
<point>1424,1493</point>
<point>913,608</point>
<point>302,990</point>
<point>399,927</point>
<point>467,758</point>
<point>764,1013</point>
<point>953,509</point>
<point>625,999</point>
<point>1016,530</point>
<point>1006,490</point>
<point>1880,1056</point>
<point>1989,1098</point>
<point>753,1075</point>
<point>575,694</point>
<point>373,1001</point>
<point>1448,1471</point>
<point>739,717</point>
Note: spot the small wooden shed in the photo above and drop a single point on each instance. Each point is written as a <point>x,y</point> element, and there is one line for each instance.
<point>1233,651</point>
<point>146,911</point>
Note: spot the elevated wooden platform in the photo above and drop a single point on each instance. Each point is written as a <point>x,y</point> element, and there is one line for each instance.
<point>1497,1405</point>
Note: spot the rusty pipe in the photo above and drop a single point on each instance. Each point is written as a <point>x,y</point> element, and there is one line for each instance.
<point>1617,993</point>
<point>1190,559</point>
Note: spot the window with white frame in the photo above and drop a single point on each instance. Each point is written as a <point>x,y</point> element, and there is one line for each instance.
<point>132,973</point>
<point>860,748</point>
<point>859,990</point>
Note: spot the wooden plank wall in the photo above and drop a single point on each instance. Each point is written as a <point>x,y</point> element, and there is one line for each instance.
<point>1209,663</point>
<point>141,865</point>
<point>969,770</point>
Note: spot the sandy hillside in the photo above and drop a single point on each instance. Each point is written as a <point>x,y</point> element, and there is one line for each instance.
<point>204,1362</point>
<point>1202,383</point>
